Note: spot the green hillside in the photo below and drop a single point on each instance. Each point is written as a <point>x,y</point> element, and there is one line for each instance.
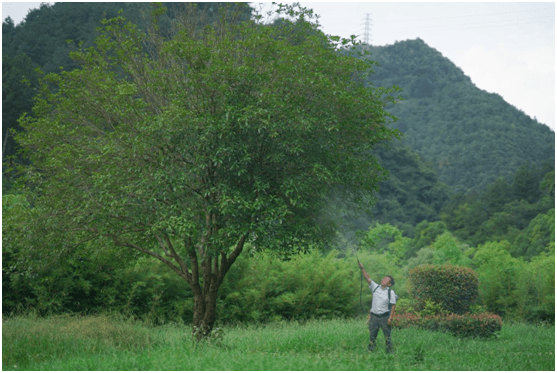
<point>471,136</point>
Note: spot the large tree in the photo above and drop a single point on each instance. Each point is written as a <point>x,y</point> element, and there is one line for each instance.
<point>186,147</point>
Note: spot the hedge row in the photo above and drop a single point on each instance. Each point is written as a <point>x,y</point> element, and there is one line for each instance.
<point>483,325</point>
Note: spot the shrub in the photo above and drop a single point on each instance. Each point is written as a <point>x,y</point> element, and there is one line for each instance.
<point>499,274</point>
<point>484,325</point>
<point>432,309</point>
<point>448,250</point>
<point>453,288</point>
<point>536,290</point>
<point>407,320</point>
<point>406,305</point>
<point>515,288</point>
<point>308,285</point>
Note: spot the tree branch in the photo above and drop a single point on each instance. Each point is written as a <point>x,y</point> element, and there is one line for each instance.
<point>227,263</point>
<point>153,254</point>
<point>178,258</point>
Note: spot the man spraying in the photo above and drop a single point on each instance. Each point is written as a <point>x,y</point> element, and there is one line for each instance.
<point>382,309</point>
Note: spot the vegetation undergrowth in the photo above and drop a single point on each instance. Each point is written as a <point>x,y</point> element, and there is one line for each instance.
<point>112,342</point>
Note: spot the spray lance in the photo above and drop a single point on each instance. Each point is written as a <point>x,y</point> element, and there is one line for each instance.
<point>361,283</point>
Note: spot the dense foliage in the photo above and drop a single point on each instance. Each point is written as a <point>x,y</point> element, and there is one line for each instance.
<point>261,289</point>
<point>413,192</point>
<point>46,37</point>
<point>453,288</point>
<point>471,326</point>
<point>507,211</point>
<point>310,286</point>
<point>473,137</point>
<point>511,284</point>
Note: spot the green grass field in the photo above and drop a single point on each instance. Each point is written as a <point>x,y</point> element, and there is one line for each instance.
<point>113,343</point>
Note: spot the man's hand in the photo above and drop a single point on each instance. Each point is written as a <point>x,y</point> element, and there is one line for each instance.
<point>393,307</point>
<point>366,276</point>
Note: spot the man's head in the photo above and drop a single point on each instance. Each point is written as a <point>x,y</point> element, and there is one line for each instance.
<point>388,281</point>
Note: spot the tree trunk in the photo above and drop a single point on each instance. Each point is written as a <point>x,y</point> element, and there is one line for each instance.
<point>204,314</point>
<point>205,298</point>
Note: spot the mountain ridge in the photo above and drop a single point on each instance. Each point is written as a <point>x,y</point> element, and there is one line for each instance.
<point>472,136</point>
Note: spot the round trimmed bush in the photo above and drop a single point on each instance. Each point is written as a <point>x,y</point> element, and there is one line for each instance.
<point>453,288</point>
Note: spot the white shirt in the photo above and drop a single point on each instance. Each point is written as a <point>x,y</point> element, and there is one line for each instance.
<point>380,303</point>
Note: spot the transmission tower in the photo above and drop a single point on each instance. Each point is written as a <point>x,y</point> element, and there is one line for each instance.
<point>367,30</point>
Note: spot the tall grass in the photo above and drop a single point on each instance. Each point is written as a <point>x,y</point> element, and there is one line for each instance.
<point>116,343</point>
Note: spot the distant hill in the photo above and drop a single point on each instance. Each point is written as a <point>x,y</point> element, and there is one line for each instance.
<point>472,137</point>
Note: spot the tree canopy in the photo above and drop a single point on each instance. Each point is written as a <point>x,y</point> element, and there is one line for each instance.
<point>184,148</point>
<point>46,37</point>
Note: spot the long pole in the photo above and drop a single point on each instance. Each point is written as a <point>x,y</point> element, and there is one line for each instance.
<point>361,284</point>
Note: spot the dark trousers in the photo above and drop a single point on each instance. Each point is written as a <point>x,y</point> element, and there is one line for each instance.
<point>376,323</point>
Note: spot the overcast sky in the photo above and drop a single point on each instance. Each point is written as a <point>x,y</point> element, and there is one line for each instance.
<point>504,47</point>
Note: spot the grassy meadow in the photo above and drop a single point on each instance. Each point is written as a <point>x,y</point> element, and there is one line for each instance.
<point>114,343</point>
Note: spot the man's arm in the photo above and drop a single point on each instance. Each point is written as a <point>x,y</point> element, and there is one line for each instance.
<point>366,276</point>
<point>393,306</point>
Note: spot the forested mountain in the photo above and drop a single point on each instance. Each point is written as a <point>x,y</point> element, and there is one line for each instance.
<point>413,192</point>
<point>471,136</point>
